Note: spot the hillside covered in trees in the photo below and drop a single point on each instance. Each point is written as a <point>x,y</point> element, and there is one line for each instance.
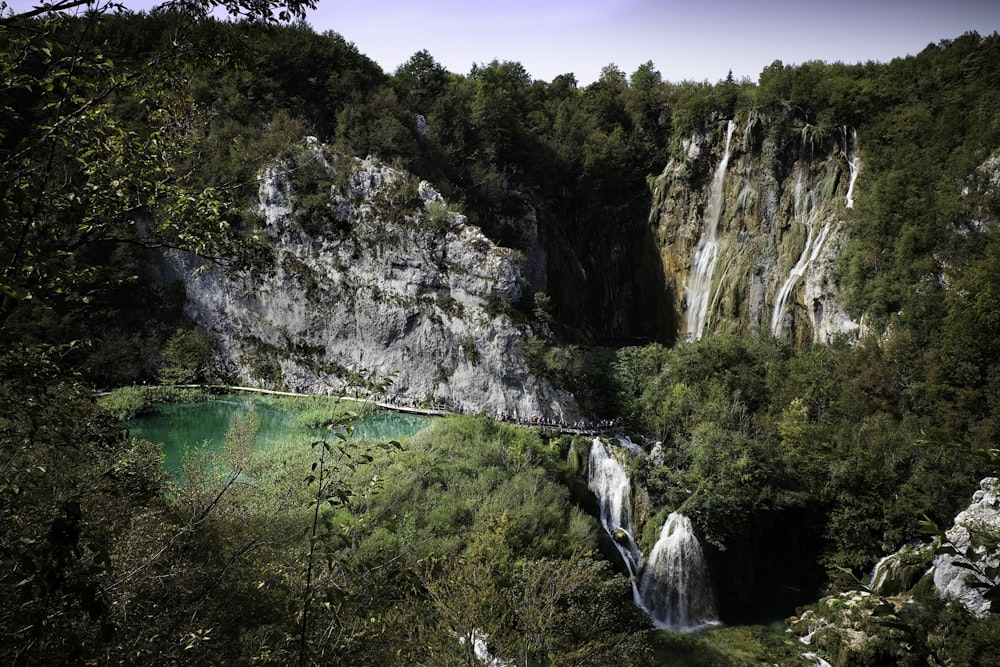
<point>801,462</point>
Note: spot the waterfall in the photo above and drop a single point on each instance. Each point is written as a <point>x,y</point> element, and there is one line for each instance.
<point>852,164</point>
<point>626,442</point>
<point>806,206</point>
<point>809,254</point>
<point>609,482</point>
<point>674,588</point>
<point>699,284</point>
<point>883,569</point>
<point>482,651</point>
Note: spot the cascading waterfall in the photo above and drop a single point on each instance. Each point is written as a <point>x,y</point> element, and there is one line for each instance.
<point>699,286</point>
<point>806,208</point>
<point>881,572</point>
<point>850,154</point>
<point>609,482</point>
<point>674,587</point>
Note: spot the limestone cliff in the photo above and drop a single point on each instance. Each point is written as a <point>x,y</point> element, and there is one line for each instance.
<point>960,575</point>
<point>370,270</point>
<point>749,226</point>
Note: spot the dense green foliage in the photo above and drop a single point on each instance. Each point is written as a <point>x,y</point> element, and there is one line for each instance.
<point>129,133</point>
<point>752,432</point>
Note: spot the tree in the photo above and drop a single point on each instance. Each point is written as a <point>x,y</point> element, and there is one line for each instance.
<point>187,357</point>
<point>605,99</point>
<point>467,594</point>
<point>420,80</point>
<point>497,109</point>
<point>83,174</point>
<point>575,612</point>
<point>96,156</point>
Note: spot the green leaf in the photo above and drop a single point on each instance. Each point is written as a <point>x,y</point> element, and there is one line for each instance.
<point>928,527</point>
<point>993,594</point>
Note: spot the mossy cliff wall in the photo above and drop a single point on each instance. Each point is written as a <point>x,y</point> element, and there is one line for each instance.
<point>783,209</point>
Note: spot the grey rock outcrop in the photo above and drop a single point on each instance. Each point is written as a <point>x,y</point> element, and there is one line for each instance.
<point>853,625</point>
<point>975,528</point>
<point>372,272</point>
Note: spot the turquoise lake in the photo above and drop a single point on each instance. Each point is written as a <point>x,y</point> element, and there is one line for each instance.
<point>177,426</point>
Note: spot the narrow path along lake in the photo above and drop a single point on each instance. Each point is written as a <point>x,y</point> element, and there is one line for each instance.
<point>180,426</point>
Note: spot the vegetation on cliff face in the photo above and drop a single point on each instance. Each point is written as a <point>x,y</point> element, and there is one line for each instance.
<point>121,140</point>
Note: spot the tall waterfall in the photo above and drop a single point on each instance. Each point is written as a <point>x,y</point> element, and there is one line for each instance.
<point>699,286</point>
<point>850,154</point>
<point>807,204</point>
<point>674,587</point>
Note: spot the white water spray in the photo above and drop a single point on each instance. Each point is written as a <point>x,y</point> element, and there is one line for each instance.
<point>699,285</point>
<point>674,588</point>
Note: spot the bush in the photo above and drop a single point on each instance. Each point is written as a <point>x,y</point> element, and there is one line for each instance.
<point>128,403</point>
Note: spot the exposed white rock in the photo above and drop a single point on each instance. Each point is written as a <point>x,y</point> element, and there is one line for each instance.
<point>819,293</point>
<point>390,282</point>
<point>980,520</point>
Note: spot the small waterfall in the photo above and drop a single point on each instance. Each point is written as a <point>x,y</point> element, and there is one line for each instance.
<point>699,284</point>
<point>626,442</point>
<point>482,651</point>
<point>809,254</point>
<point>881,572</point>
<point>850,154</point>
<point>676,586</point>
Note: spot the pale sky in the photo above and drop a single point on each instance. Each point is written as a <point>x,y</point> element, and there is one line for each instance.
<point>685,39</point>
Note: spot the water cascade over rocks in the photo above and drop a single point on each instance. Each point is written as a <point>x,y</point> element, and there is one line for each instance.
<point>853,163</point>
<point>699,287</point>
<point>609,482</point>
<point>674,587</point>
<point>809,198</point>
<point>750,226</point>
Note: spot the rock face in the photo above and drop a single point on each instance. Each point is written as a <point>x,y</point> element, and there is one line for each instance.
<point>855,625</point>
<point>370,270</point>
<point>976,527</point>
<point>779,210</point>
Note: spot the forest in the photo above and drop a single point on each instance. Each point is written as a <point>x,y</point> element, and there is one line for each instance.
<point>799,464</point>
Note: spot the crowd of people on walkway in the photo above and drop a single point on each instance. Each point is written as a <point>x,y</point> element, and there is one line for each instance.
<point>445,406</point>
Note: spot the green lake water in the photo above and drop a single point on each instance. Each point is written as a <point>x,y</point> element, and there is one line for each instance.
<point>177,426</point>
